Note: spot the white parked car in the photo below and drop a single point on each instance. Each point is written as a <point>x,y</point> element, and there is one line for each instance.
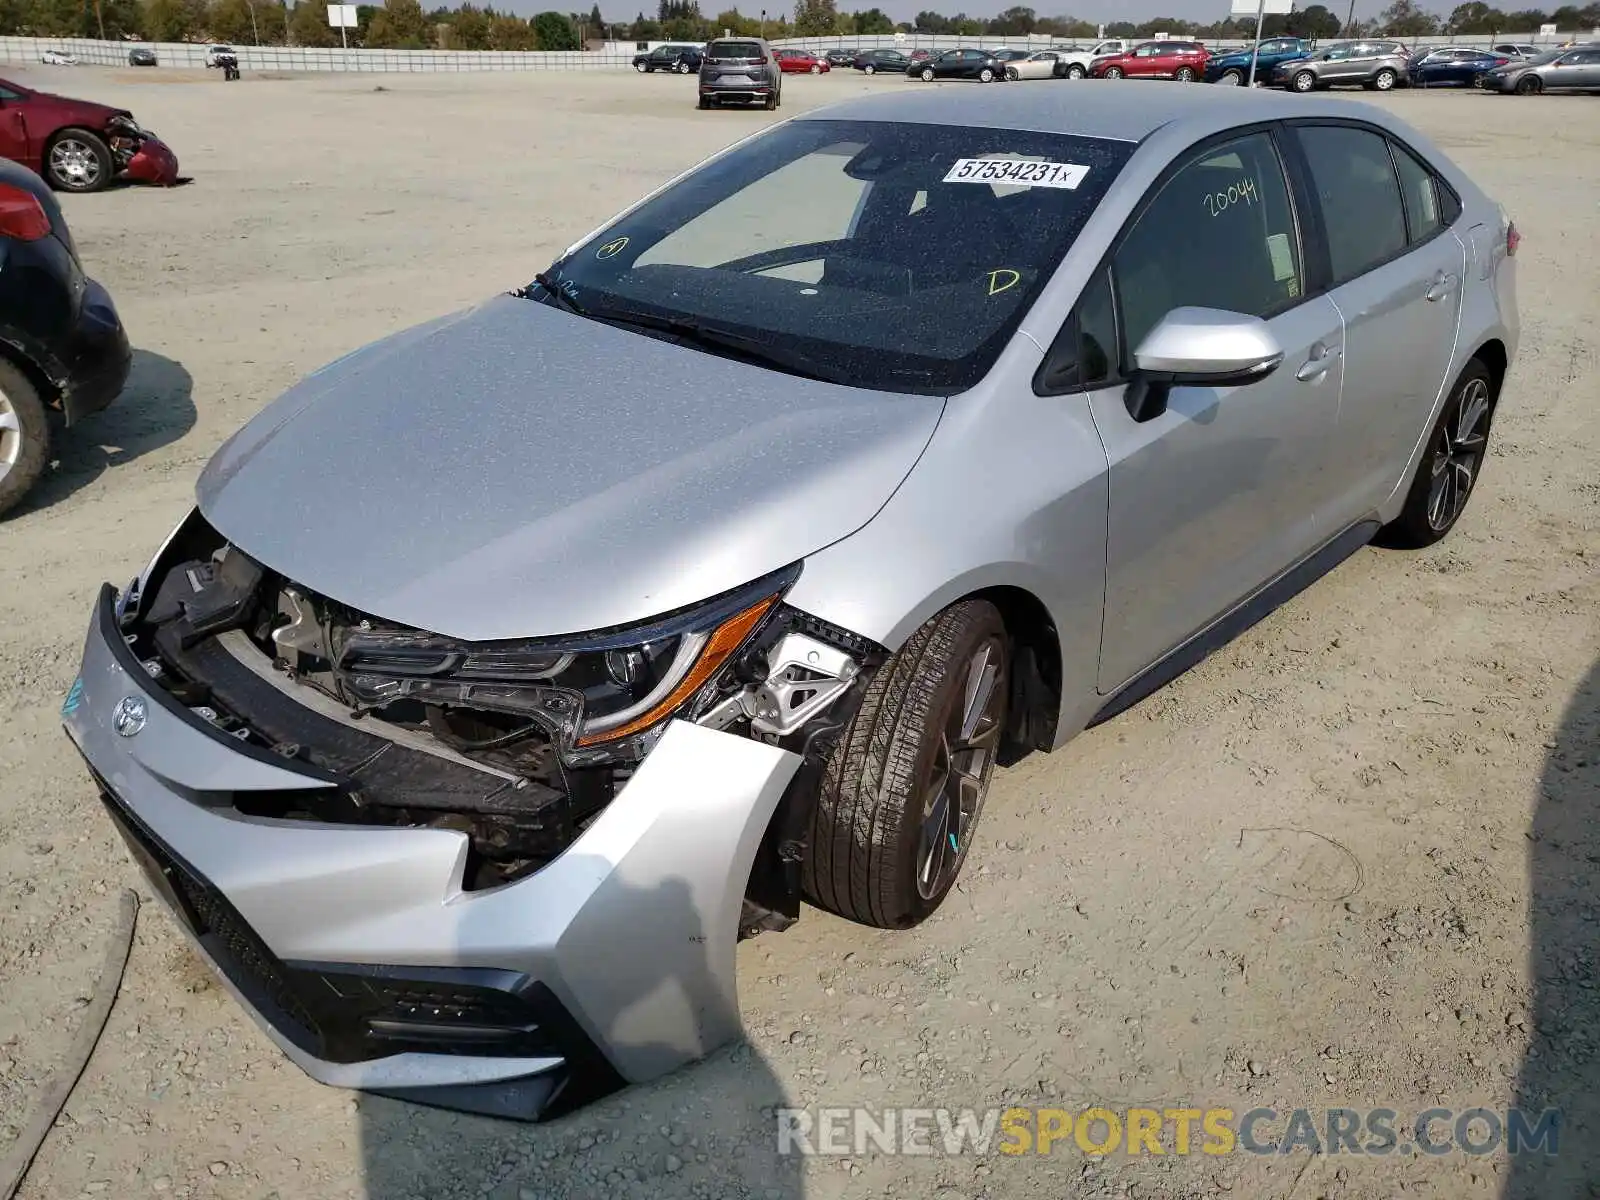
<point>1075,63</point>
<point>1042,64</point>
<point>58,58</point>
<point>215,54</point>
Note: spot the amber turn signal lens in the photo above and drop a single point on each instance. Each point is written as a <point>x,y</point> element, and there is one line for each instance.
<point>730,635</point>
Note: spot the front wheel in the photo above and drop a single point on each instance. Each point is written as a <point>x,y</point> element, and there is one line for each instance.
<point>904,786</point>
<point>1232,78</point>
<point>642,68</point>
<point>1531,85</point>
<point>1450,466</point>
<point>78,161</point>
<point>870,69</point>
<point>1185,75</point>
<point>927,74</point>
<point>1011,75</point>
<point>1114,72</point>
<point>1075,71</point>
<point>1304,81</point>
<point>1384,80</point>
<point>986,76</point>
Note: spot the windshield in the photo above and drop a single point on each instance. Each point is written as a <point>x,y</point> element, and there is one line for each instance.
<point>902,256</point>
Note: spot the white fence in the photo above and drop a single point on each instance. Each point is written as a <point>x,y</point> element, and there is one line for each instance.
<point>312,58</point>
<point>305,58</point>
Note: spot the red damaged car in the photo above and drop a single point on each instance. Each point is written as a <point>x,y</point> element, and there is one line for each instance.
<point>77,145</point>
<point>1165,59</point>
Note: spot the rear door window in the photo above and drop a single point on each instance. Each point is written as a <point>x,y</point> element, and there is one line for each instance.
<point>1424,214</point>
<point>1359,197</point>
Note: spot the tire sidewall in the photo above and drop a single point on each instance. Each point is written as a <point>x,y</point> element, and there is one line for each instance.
<point>34,421</point>
<point>987,624</point>
<point>1304,82</point>
<point>1384,81</point>
<point>1411,530</point>
<point>96,144</point>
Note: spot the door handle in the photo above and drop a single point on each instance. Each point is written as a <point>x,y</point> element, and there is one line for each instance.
<point>1440,288</point>
<point>1321,360</point>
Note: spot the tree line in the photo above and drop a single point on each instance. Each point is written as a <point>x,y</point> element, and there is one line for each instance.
<point>404,24</point>
<point>396,24</point>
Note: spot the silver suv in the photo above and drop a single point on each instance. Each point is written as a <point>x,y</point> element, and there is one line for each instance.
<point>742,69</point>
<point>1376,66</point>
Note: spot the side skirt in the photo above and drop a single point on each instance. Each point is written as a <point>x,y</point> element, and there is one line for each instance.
<point>1238,619</point>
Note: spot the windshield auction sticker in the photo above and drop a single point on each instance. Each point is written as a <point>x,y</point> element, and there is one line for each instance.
<point>1019,172</point>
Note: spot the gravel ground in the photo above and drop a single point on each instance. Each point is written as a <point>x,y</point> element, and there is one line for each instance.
<point>1349,860</point>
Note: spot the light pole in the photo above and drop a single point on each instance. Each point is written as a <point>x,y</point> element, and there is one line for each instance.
<point>1349,21</point>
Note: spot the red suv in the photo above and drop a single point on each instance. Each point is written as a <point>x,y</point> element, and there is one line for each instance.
<point>1166,59</point>
<point>799,62</point>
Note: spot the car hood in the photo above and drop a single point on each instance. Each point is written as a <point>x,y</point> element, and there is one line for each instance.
<point>516,471</point>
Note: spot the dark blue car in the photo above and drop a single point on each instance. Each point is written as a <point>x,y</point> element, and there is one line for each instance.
<point>1453,67</point>
<point>1234,67</point>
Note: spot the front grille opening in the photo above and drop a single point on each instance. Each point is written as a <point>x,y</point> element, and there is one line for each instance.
<point>252,656</point>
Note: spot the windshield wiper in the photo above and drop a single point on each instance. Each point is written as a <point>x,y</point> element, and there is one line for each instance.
<point>709,337</point>
<point>556,293</point>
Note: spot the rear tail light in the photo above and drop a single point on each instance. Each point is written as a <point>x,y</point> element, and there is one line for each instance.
<point>1513,239</point>
<point>21,215</point>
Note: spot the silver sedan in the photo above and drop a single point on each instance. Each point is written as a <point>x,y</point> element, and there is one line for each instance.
<point>900,441</point>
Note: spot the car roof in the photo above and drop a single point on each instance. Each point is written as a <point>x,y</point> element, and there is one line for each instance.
<point>1120,111</point>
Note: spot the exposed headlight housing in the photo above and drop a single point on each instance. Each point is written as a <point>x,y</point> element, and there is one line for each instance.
<point>594,693</point>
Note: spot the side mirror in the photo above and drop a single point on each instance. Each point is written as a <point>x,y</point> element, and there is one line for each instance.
<point>1198,347</point>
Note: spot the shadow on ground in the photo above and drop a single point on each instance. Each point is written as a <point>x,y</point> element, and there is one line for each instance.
<point>155,409</point>
<point>1561,1069</point>
<point>707,1129</point>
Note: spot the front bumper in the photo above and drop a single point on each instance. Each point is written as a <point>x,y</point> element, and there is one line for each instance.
<point>613,964</point>
<point>154,162</point>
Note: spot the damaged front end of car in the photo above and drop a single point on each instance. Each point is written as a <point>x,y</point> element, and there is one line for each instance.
<point>341,795</point>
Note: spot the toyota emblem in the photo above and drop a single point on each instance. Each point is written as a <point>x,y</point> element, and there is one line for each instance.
<point>128,719</point>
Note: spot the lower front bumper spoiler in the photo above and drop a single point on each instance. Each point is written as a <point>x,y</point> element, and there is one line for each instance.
<point>624,945</point>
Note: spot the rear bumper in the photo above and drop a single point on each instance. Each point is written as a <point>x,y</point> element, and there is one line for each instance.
<point>96,357</point>
<point>613,964</point>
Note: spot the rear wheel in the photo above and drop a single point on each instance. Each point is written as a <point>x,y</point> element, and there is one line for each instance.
<point>1185,75</point>
<point>772,101</point>
<point>24,435</point>
<point>681,67</point>
<point>77,161</point>
<point>1450,466</point>
<point>1530,85</point>
<point>1384,80</point>
<point>905,785</point>
<point>1303,81</point>
<point>704,103</point>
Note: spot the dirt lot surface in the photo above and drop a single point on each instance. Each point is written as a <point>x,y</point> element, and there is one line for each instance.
<point>1351,860</point>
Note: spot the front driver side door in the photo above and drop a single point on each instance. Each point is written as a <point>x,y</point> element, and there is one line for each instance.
<point>1214,497</point>
<point>14,130</point>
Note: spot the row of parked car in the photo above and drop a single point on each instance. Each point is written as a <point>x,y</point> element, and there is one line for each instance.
<point>1288,62</point>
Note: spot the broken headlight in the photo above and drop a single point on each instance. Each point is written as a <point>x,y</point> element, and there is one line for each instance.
<point>592,692</point>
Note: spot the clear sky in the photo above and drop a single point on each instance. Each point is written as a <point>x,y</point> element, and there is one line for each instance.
<point>1200,11</point>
